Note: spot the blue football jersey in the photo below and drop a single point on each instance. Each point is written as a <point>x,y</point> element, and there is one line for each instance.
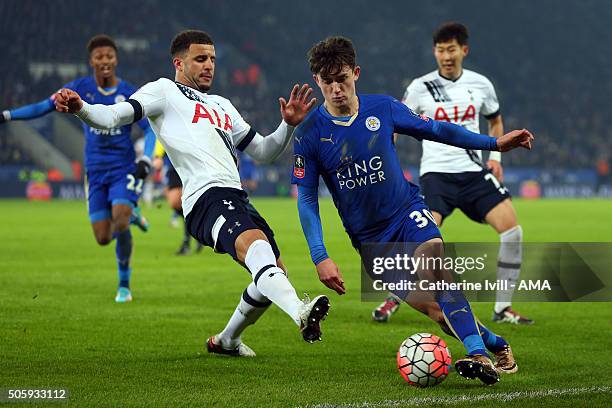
<point>357,159</point>
<point>106,149</point>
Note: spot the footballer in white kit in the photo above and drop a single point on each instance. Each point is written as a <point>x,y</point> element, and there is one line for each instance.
<point>201,133</point>
<point>451,177</point>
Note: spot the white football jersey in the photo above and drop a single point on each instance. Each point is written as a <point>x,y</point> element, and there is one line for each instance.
<point>461,102</point>
<point>200,133</point>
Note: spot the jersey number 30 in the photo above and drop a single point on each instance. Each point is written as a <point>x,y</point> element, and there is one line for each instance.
<point>422,218</point>
<point>133,184</point>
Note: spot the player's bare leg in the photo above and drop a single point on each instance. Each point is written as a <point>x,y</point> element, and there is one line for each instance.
<point>504,221</point>
<point>254,250</point>
<point>251,307</point>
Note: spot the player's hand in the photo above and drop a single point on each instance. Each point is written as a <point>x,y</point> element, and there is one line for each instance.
<point>143,168</point>
<point>330,276</point>
<point>66,100</point>
<point>514,139</point>
<point>497,169</point>
<point>296,109</point>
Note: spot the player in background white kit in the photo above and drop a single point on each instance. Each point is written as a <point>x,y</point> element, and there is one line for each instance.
<point>201,133</point>
<point>451,177</point>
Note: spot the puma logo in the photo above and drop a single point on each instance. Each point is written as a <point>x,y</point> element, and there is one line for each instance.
<point>327,139</point>
<point>454,312</point>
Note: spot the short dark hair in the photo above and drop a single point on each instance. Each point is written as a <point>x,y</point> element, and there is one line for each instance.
<point>327,57</point>
<point>451,31</point>
<point>184,39</point>
<point>100,40</point>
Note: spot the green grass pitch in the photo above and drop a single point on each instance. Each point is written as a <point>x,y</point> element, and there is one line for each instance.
<point>59,325</point>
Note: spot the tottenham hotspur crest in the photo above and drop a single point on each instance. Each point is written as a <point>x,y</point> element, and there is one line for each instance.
<point>372,123</point>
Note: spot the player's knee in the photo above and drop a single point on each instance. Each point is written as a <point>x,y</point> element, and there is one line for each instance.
<point>512,234</point>
<point>502,217</point>
<point>121,217</point>
<point>246,239</point>
<point>121,222</point>
<point>432,248</point>
<point>103,238</point>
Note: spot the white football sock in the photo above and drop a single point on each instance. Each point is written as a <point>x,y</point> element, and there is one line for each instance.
<point>250,308</point>
<point>509,265</point>
<point>271,280</point>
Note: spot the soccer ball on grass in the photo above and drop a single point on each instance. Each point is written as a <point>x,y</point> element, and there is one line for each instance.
<point>423,360</point>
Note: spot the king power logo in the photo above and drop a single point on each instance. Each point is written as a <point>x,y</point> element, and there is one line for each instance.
<point>352,175</point>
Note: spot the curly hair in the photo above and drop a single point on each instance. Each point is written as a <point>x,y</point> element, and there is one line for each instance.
<point>329,56</point>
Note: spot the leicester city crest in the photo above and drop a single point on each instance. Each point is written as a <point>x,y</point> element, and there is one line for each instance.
<point>372,123</point>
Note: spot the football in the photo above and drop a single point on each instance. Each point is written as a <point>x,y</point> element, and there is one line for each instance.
<point>423,360</point>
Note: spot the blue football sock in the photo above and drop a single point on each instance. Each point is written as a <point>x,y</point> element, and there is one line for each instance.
<point>493,342</point>
<point>123,250</point>
<point>461,320</point>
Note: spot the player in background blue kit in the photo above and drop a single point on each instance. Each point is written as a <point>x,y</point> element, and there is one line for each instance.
<point>114,181</point>
<point>348,141</point>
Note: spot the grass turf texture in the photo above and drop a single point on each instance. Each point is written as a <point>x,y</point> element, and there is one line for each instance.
<point>61,328</point>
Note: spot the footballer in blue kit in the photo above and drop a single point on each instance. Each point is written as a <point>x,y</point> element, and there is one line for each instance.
<point>114,180</point>
<point>348,142</point>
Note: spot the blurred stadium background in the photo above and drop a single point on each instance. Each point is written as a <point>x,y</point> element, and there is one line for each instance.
<point>58,324</point>
<point>546,59</point>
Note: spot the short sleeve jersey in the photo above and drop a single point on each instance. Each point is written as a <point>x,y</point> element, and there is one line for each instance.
<point>461,102</point>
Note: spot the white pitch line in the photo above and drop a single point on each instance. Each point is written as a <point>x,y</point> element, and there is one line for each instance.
<point>502,397</point>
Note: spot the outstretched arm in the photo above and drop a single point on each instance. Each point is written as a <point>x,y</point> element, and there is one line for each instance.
<point>268,148</point>
<point>26,112</point>
<point>97,116</point>
<point>456,135</point>
<point>421,127</point>
<point>308,210</point>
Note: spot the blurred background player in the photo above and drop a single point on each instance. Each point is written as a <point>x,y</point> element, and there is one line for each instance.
<point>113,182</point>
<point>348,142</point>
<point>452,177</point>
<point>247,167</point>
<point>173,191</point>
